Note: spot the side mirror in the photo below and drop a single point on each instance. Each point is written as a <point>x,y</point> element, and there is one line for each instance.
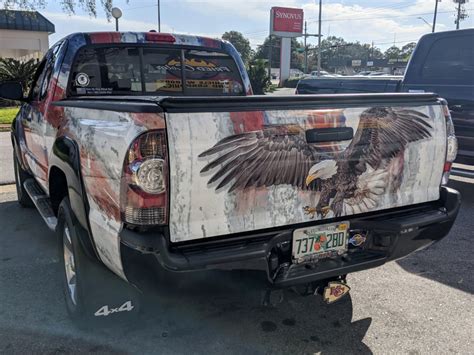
<point>11,90</point>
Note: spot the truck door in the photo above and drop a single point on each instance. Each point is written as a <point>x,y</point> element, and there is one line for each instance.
<point>35,118</point>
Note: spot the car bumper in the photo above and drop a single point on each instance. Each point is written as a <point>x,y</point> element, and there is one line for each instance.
<point>389,235</point>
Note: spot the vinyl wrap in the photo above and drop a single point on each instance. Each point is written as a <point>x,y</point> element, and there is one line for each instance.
<point>198,210</point>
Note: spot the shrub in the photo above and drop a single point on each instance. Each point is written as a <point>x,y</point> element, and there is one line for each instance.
<point>15,70</point>
<point>7,114</point>
<point>259,77</point>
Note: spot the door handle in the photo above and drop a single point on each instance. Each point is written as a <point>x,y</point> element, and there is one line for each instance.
<point>319,135</point>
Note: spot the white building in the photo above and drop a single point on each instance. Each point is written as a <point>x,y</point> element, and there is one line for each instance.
<point>24,34</point>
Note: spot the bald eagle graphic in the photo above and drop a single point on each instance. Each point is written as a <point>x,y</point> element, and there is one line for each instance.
<point>349,182</point>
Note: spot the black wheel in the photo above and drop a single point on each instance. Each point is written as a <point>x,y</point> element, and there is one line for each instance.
<point>20,177</point>
<point>91,291</point>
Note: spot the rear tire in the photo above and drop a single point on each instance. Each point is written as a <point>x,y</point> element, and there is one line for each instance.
<point>20,177</point>
<point>91,291</point>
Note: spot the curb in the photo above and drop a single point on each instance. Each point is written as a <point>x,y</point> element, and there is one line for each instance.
<point>5,127</point>
<point>7,188</point>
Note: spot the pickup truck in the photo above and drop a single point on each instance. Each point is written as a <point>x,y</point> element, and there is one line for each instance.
<point>150,146</point>
<point>442,62</point>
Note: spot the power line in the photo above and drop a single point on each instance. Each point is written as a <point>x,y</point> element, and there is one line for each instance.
<point>366,18</point>
<point>388,17</point>
<point>374,10</point>
<point>406,41</point>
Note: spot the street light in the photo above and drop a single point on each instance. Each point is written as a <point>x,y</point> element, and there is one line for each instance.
<point>422,19</point>
<point>116,14</point>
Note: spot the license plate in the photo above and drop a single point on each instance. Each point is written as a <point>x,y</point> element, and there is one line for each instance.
<point>320,241</point>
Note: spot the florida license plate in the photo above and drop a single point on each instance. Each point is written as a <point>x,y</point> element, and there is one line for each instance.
<point>320,241</point>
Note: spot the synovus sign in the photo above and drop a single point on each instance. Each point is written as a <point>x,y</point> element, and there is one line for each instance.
<point>287,20</point>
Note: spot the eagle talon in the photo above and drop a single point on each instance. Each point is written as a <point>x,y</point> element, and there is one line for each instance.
<point>311,211</point>
<point>324,211</point>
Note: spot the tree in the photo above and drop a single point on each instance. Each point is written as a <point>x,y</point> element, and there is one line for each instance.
<point>336,52</point>
<point>240,43</point>
<point>69,6</point>
<point>407,50</point>
<point>15,70</point>
<point>297,58</point>
<point>393,53</point>
<point>263,51</point>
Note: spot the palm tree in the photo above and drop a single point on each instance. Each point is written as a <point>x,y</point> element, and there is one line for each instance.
<point>15,70</point>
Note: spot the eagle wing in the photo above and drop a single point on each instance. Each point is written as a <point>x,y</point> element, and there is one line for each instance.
<point>277,154</point>
<point>382,134</point>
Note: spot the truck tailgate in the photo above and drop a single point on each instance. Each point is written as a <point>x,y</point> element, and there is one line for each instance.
<point>243,164</point>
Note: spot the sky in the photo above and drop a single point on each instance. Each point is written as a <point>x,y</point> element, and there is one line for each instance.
<point>385,22</point>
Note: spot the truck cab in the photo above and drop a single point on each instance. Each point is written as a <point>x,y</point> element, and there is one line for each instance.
<point>443,63</point>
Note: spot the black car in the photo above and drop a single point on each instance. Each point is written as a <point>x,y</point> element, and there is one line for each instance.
<point>443,63</point>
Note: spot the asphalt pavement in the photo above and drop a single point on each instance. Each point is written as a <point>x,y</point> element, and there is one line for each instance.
<point>422,304</point>
<point>283,92</point>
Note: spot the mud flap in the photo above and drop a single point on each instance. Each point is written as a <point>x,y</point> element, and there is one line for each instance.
<point>92,292</point>
<point>108,296</point>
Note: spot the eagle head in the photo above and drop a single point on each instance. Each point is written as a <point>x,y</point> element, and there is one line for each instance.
<point>323,170</point>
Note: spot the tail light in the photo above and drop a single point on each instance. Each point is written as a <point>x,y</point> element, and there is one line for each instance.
<point>159,37</point>
<point>144,196</point>
<point>451,145</point>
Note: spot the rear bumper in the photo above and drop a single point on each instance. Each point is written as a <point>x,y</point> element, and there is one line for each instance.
<point>390,235</point>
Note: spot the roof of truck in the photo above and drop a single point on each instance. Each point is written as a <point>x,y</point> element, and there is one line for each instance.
<point>149,37</point>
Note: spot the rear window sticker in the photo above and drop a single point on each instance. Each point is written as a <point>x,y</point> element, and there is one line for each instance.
<point>82,79</point>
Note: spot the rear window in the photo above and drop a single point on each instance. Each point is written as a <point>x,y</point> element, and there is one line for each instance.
<point>450,61</point>
<point>154,71</point>
<point>211,73</point>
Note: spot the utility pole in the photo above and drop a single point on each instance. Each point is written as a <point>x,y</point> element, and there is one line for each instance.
<point>305,50</point>
<point>459,14</point>
<point>306,35</point>
<point>458,18</point>
<point>270,48</point>
<point>159,19</point>
<point>319,37</point>
<point>434,16</point>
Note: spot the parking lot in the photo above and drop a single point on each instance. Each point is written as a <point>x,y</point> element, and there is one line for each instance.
<point>419,305</point>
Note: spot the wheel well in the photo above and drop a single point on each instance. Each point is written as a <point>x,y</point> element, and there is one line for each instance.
<point>57,187</point>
